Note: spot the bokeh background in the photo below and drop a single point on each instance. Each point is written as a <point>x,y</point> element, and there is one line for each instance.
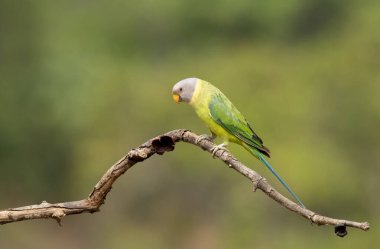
<point>82,82</point>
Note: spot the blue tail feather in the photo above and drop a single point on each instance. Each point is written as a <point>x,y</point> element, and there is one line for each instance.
<point>279,178</point>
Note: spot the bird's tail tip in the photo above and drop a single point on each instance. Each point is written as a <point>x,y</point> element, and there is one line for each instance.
<point>266,163</point>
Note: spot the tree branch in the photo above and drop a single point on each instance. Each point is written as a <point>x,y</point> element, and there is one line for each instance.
<point>160,145</point>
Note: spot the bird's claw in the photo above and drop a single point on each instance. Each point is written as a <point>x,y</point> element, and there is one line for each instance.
<point>218,147</point>
<point>202,137</point>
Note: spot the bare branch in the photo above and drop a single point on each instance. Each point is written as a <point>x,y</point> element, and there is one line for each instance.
<point>160,145</point>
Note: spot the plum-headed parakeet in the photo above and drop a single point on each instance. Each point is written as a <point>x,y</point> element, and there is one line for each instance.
<point>223,119</point>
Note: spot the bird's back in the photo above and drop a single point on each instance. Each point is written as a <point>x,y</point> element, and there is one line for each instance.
<point>223,118</point>
<point>200,101</point>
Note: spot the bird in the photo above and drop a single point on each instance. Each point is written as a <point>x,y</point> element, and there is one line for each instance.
<point>224,120</point>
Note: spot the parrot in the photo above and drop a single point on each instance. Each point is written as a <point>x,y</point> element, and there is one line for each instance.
<point>224,120</point>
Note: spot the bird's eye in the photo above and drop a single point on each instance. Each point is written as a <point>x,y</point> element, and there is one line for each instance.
<point>180,89</point>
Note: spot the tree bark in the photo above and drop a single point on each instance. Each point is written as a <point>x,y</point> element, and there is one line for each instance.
<point>160,145</point>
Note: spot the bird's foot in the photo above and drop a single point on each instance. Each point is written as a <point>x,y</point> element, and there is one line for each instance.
<point>204,136</point>
<point>218,147</point>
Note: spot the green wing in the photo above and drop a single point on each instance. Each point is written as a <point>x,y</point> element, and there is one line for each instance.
<point>223,112</point>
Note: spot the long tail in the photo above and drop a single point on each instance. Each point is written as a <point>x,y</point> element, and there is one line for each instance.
<point>261,157</point>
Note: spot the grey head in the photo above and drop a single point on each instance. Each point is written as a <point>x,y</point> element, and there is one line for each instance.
<point>184,89</point>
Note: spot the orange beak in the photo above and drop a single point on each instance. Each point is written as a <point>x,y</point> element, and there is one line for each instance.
<point>176,97</point>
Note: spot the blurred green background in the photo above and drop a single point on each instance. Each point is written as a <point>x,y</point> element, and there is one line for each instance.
<point>82,82</point>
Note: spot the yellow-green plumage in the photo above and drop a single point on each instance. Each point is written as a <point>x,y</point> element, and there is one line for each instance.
<point>200,102</point>
<point>223,119</point>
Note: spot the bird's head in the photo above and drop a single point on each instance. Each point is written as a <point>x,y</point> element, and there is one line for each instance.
<point>184,89</point>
